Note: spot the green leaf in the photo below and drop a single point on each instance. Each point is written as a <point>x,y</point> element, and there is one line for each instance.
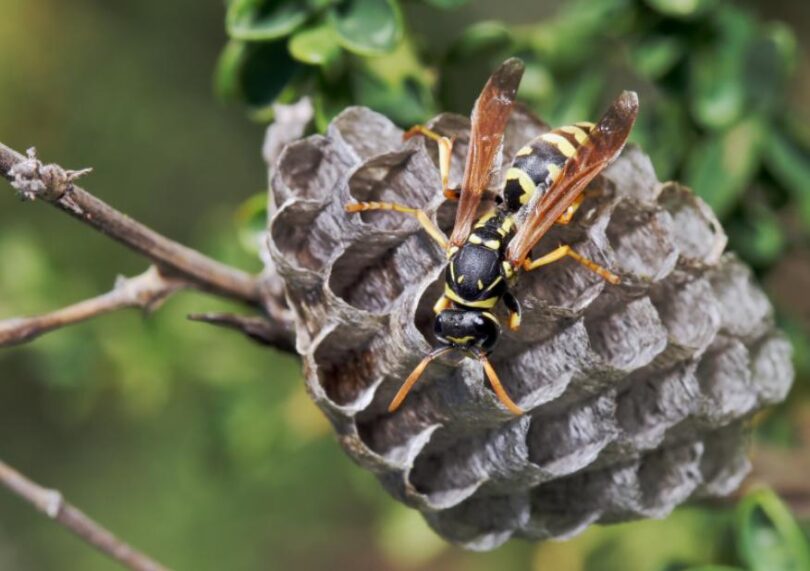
<point>251,222</point>
<point>655,57</point>
<point>578,100</point>
<point>573,37</point>
<point>367,27</point>
<point>486,36</point>
<point>663,131</point>
<point>717,85</point>
<point>262,20</point>
<point>397,85</point>
<point>681,8</point>
<point>537,85</point>
<point>790,166</point>
<point>768,538</point>
<point>769,61</point>
<point>255,73</point>
<point>406,103</point>
<point>722,165</point>
<point>714,568</point>
<point>316,45</point>
<point>758,236</point>
<point>446,4</point>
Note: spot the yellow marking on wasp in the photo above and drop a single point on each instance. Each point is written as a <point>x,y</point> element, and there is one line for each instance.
<point>562,144</point>
<point>484,219</point>
<point>462,340</point>
<point>474,239</point>
<point>442,304</point>
<point>507,269</point>
<point>482,304</point>
<point>587,125</point>
<point>453,271</point>
<point>480,285</point>
<point>508,223</point>
<point>579,134</point>
<point>451,251</point>
<point>524,180</point>
<point>527,150</point>
<point>553,171</point>
<point>489,316</point>
<point>460,279</point>
<point>506,226</point>
<point>492,244</point>
<point>514,321</point>
<point>494,283</point>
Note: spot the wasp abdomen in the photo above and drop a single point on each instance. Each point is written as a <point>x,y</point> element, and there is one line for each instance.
<point>538,164</point>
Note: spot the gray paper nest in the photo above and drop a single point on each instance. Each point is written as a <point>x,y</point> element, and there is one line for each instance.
<point>637,395</point>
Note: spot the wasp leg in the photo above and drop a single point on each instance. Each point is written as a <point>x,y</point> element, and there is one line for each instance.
<point>513,305</point>
<point>420,215</point>
<point>445,154</point>
<point>568,215</point>
<point>561,252</point>
<point>414,376</point>
<point>442,304</point>
<point>496,384</point>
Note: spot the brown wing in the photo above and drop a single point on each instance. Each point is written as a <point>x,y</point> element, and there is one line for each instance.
<point>489,118</point>
<point>604,144</point>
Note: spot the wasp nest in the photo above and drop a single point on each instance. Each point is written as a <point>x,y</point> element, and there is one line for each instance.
<point>636,395</point>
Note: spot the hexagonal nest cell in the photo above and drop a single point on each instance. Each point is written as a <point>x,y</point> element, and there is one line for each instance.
<point>636,395</point>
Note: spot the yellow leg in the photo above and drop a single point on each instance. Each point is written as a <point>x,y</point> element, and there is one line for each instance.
<point>563,251</point>
<point>500,392</point>
<point>568,215</point>
<point>445,154</point>
<point>442,304</point>
<point>420,215</point>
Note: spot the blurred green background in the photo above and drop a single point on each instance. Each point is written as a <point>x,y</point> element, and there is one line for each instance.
<point>202,448</point>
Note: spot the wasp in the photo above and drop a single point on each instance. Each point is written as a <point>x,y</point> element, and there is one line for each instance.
<point>544,186</point>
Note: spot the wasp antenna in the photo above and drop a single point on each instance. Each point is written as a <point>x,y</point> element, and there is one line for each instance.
<point>496,384</point>
<point>414,376</point>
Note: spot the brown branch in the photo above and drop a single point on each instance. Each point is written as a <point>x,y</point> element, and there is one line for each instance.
<point>258,328</point>
<point>145,291</point>
<point>55,185</point>
<point>53,505</point>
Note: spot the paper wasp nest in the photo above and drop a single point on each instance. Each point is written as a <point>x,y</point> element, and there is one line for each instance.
<point>636,395</point>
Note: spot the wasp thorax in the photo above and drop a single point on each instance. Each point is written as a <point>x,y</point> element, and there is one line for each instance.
<point>466,329</point>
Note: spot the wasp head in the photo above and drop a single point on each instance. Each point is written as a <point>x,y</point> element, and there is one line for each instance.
<point>467,329</point>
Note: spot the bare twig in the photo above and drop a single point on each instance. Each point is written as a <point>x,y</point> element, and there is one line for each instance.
<point>55,185</point>
<point>52,504</point>
<point>146,291</point>
<point>258,328</point>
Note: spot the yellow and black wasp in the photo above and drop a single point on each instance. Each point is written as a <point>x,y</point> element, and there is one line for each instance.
<point>544,186</point>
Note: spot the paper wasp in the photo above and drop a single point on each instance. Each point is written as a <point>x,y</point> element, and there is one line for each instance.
<point>544,186</point>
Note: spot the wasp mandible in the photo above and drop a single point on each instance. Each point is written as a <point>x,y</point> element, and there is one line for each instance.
<point>544,186</point>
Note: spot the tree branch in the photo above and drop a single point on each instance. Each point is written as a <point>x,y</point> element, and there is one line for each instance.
<point>147,291</point>
<point>55,185</point>
<point>52,504</point>
<point>258,328</point>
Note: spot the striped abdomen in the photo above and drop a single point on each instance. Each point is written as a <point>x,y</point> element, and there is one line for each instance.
<point>538,164</point>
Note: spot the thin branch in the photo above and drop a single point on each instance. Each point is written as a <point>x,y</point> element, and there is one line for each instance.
<point>145,291</point>
<point>258,328</point>
<point>55,185</point>
<point>53,505</point>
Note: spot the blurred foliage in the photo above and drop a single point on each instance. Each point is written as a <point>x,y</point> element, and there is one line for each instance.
<point>204,449</point>
<point>713,81</point>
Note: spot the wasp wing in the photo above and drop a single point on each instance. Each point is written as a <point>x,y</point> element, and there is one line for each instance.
<point>605,142</point>
<point>489,118</point>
